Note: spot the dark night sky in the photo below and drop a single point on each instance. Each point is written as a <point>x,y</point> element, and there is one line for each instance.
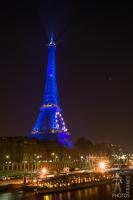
<point>94,67</point>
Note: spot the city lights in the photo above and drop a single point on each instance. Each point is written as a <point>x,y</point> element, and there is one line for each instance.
<point>102,165</point>
<point>7,156</point>
<point>44,171</point>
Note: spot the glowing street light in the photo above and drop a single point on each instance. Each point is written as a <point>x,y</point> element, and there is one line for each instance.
<point>81,157</point>
<point>44,171</point>
<point>53,154</point>
<point>7,156</point>
<point>102,166</point>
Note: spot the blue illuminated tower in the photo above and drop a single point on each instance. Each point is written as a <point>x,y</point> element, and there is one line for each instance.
<point>50,124</point>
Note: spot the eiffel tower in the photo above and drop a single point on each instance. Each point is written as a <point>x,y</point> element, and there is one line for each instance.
<point>50,124</point>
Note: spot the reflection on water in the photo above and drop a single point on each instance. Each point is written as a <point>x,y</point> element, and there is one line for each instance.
<point>96,193</point>
<point>46,198</point>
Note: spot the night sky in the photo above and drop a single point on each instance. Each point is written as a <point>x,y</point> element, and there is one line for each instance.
<point>94,67</point>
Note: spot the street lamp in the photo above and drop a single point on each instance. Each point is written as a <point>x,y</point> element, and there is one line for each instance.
<point>44,171</point>
<point>102,165</point>
<point>7,156</point>
<point>81,157</point>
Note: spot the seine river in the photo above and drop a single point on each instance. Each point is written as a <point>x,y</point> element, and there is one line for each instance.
<point>95,193</point>
<point>103,192</point>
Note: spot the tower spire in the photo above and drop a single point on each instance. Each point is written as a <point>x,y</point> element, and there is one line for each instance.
<point>52,39</point>
<point>50,93</point>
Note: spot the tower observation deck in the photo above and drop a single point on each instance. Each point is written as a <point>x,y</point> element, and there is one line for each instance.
<point>50,124</point>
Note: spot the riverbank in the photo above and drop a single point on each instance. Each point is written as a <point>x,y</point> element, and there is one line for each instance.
<point>71,188</point>
<point>39,190</point>
<point>63,183</point>
<point>11,187</point>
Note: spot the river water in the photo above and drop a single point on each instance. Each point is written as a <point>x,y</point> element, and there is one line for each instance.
<point>103,192</point>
